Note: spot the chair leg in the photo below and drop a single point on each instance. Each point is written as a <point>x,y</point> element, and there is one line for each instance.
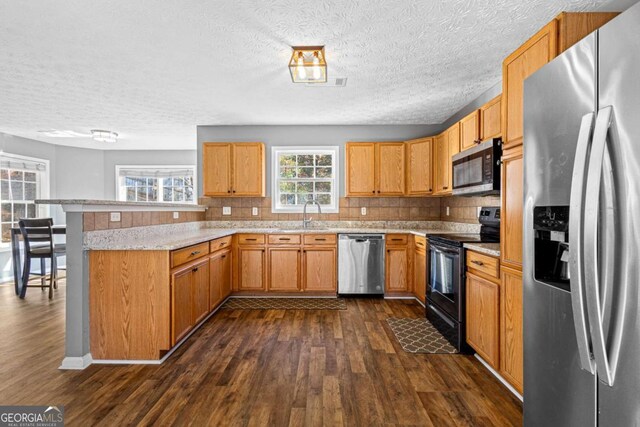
<point>43,273</point>
<point>54,271</point>
<point>51,280</point>
<point>25,276</point>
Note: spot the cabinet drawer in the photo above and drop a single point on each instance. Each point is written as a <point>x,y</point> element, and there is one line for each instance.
<point>483,263</point>
<point>216,245</point>
<point>189,253</point>
<point>421,242</point>
<point>319,239</point>
<point>284,239</point>
<point>250,239</point>
<point>396,239</point>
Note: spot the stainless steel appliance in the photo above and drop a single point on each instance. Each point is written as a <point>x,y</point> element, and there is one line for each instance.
<point>582,196</point>
<point>445,306</point>
<point>476,171</point>
<point>361,264</point>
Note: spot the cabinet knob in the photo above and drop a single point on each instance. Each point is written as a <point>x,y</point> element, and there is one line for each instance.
<point>374,191</point>
<point>445,187</point>
<point>498,162</point>
<point>477,262</point>
<point>223,256</point>
<point>234,191</point>
<point>195,269</point>
<point>228,191</point>
<point>194,253</point>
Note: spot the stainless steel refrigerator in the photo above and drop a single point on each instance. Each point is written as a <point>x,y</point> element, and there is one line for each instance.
<point>582,232</point>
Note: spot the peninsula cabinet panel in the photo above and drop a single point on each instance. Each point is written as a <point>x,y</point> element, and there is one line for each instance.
<point>319,270</point>
<point>419,170</point>
<point>284,269</point>
<point>470,130</point>
<point>251,269</point>
<point>131,285</point>
<point>219,278</point>
<point>390,168</point>
<point>511,211</point>
<point>511,350</point>
<point>483,313</point>
<point>360,169</point>
<point>491,119</point>
<point>233,169</point>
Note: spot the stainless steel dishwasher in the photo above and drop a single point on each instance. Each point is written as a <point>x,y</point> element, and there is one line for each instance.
<point>361,264</point>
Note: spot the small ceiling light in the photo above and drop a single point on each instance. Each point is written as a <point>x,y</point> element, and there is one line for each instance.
<point>308,64</point>
<point>104,135</point>
<point>56,133</point>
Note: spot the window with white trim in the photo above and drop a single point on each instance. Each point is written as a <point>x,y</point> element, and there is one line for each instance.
<point>162,184</point>
<point>304,173</point>
<point>22,181</point>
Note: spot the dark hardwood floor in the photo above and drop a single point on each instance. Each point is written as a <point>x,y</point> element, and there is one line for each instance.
<point>254,368</point>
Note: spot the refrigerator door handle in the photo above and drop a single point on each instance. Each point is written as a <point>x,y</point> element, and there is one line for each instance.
<point>576,240</point>
<point>606,365</point>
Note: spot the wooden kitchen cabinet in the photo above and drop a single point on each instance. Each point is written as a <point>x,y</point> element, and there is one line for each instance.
<point>251,268</point>
<point>491,119</point>
<point>420,269</point>
<point>219,277</point>
<point>233,169</point>
<point>189,298</point>
<point>200,291</point>
<point>441,151</point>
<point>447,144</point>
<point>284,269</point>
<point>419,169</point>
<point>483,318</point>
<point>511,209</point>
<point>397,277</point>
<point>470,130</point>
<point>319,269</point>
<point>375,169</point>
<point>511,344</point>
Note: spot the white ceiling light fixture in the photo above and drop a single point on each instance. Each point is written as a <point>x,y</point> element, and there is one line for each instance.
<point>56,133</point>
<point>308,64</point>
<point>104,135</point>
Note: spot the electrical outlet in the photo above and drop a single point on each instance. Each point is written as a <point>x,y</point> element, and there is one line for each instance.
<point>114,217</point>
<point>176,215</point>
<point>254,211</point>
<point>226,210</point>
<point>479,210</point>
<point>447,210</point>
<point>363,210</point>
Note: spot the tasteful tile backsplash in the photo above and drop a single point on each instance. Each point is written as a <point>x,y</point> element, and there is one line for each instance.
<point>100,220</point>
<point>465,209</point>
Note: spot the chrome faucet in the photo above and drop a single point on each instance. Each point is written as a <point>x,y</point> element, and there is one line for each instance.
<point>305,221</point>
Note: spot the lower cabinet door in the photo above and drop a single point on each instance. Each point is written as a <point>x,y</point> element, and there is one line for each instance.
<point>319,270</point>
<point>226,277</point>
<point>219,278</point>
<point>284,269</point>
<point>420,274</point>
<point>181,300</point>
<point>200,304</point>
<point>397,270</point>
<point>483,308</point>
<point>511,360</point>
<point>251,269</point>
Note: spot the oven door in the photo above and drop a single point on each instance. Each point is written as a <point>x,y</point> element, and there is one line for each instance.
<point>444,279</point>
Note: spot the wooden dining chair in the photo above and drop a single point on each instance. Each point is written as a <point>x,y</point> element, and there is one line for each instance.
<point>39,244</point>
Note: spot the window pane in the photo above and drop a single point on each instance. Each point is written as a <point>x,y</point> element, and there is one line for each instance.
<point>31,211</point>
<point>30,176</point>
<point>288,160</point>
<point>188,194</point>
<point>324,199</point>
<point>302,198</point>
<point>30,191</point>
<point>131,194</point>
<point>6,212</point>
<point>5,189</point>
<point>19,210</point>
<point>188,181</point>
<point>323,187</point>
<point>167,193</point>
<point>152,194</point>
<point>166,182</point>
<point>4,174</point>
<point>324,160</point>
<point>305,160</point>
<point>178,195</point>
<point>287,187</point>
<point>305,172</point>
<point>287,199</point>
<point>287,173</point>
<point>141,194</point>
<point>16,175</point>
<point>178,182</point>
<point>323,172</point>
<point>16,190</point>
<point>6,233</point>
<point>305,187</point>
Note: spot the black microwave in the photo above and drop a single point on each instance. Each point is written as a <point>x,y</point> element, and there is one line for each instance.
<point>476,171</point>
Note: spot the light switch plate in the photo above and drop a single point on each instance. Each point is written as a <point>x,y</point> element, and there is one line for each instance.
<point>479,210</point>
<point>226,210</point>
<point>254,211</point>
<point>114,217</point>
<point>447,210</point>
<point>176,215</point>
<point>363,210</point>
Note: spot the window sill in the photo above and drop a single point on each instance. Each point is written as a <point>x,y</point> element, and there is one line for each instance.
<point>310,211</point>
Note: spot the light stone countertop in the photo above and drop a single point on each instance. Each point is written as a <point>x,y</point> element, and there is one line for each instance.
<point>492,249</point>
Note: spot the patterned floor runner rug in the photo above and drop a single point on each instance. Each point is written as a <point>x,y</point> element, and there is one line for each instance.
<point>419,336</point>
<point>285,304</point>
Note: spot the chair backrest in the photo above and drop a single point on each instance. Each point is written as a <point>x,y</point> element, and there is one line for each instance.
<point>37,231</point>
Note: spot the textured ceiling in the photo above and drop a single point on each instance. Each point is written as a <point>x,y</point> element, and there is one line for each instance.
<point>154,70</point>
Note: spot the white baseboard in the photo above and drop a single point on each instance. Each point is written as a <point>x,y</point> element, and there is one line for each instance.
<point>76,363</point>
<point>499,377</point>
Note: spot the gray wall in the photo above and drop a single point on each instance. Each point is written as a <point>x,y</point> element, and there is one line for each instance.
<point>308,136</point>
<point>487,96</point>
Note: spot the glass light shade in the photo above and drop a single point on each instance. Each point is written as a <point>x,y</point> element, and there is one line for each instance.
<point>104,135</point>
<point>308,64</point>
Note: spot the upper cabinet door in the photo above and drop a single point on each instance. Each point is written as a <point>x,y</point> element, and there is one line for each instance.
<point>530,57</point>
<point>360,167</point>
<point>453,144</point>
<point>490,120</point>
<point>216,169</point>
<point>390,168</point>
<point>419,166</point>
<point>470,130</point>
<point>441,151</point>
<point>248,169</point>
